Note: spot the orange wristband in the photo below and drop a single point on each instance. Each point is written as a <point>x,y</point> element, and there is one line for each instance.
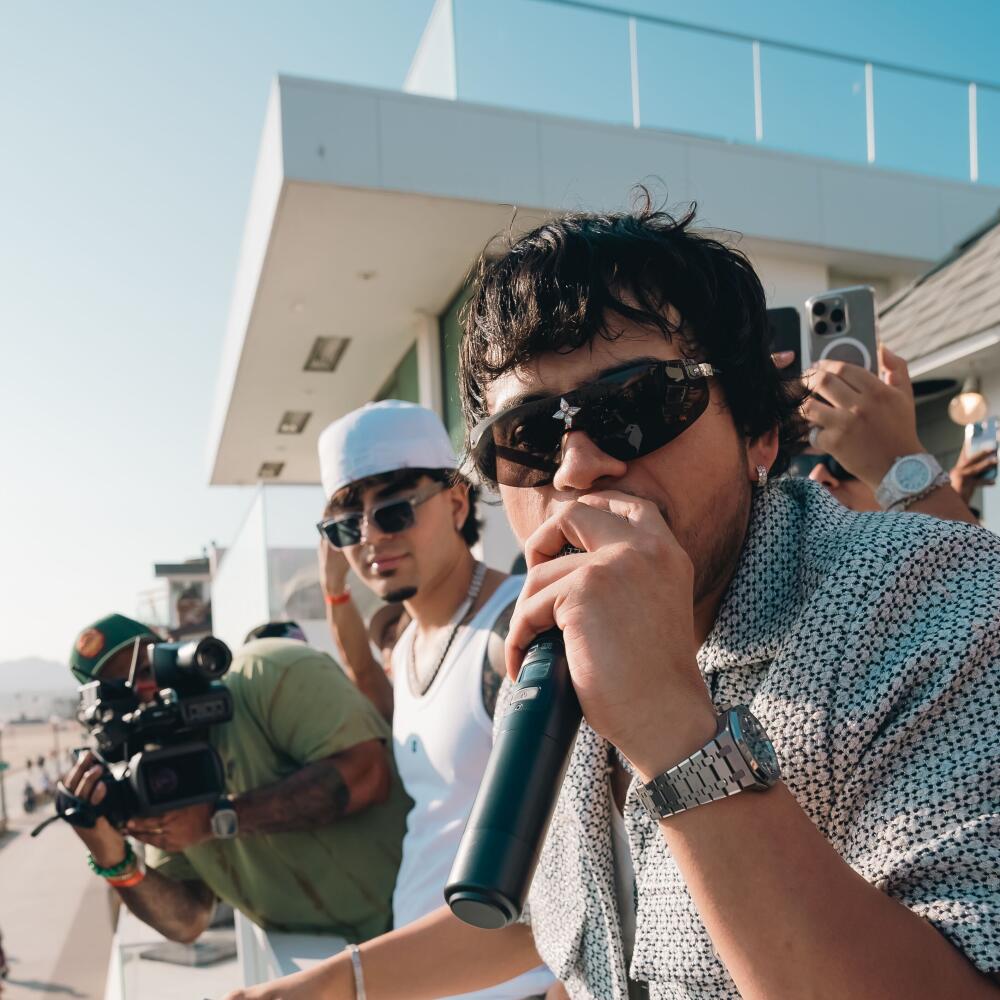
<point>335,599</point>
<point>130,880</point>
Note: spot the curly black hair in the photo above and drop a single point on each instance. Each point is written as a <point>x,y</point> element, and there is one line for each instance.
<point>554,288</point>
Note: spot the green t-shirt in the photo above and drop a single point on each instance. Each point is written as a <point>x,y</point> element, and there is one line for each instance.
<point>293,705</point>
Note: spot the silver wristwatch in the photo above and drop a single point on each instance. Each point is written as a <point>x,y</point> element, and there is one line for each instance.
<point>911,477</point>
<point>225,823</point>
<point>738,758</point>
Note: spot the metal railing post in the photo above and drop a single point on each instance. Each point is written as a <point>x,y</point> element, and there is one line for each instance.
<point>758,96</point>
<point>973,134</point>
<point>870,111</point>
<point>633,19</point>
<point>633,65</point>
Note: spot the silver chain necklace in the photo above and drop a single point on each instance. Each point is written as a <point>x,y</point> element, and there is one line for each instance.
<point>418,688</point>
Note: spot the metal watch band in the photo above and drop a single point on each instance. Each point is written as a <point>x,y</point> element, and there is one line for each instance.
<point>888,493</point>
<point>941,479</point>
<point>714,772</point>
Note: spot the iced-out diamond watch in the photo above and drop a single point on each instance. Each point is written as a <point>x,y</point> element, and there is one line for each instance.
<point>739,758</point>
<point>909,478</point>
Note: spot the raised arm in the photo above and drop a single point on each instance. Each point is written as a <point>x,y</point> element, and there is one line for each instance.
<point>349,631</point>
<point>866,422</point>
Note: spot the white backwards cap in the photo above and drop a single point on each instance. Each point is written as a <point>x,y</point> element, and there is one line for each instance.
<point>382,437</point>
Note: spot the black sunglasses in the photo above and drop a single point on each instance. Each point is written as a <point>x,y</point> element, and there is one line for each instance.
<point>802,465</point>
<point>627,414</point>
<point>390,516</point>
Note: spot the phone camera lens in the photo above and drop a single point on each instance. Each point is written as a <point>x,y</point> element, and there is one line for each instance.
<point>837,315</point>
<point>819,308</point>
<point>820,328</point>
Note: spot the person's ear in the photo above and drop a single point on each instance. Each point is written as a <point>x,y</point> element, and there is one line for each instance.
<point>761,453</point>
<point>459,495</point>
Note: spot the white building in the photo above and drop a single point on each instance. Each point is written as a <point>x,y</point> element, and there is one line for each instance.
<point>368,207</point>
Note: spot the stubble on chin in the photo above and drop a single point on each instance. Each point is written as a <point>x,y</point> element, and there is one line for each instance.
<point>719,544</point>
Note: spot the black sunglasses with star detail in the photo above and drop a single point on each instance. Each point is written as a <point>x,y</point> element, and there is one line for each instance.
<point>627,414</point>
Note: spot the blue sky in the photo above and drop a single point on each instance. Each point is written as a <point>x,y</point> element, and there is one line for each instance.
<point>129,134</point>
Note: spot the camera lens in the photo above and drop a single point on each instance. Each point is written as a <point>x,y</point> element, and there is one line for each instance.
<point>819,308</point>
<point>820,328</point>
<point>837,315</point>
<point>163,782</point>
<point>212,657</point>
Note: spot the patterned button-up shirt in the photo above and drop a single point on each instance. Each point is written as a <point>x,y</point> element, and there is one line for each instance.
<point>869,647</point>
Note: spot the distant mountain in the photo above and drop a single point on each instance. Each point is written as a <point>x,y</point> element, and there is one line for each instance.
<point>34,674</point>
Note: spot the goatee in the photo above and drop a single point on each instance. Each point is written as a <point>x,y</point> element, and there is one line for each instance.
<point>398,596</point>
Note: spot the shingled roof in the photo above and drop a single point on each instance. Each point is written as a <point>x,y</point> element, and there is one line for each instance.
<point>958,298</point>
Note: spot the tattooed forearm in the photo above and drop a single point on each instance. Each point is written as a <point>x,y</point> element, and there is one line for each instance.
<point>320,793</point>
<point>314,797</point>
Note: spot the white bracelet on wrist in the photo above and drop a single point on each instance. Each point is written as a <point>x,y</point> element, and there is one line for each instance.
<point>359,973</point>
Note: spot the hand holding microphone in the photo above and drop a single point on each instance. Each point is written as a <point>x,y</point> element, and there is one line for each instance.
<point>625,607</point>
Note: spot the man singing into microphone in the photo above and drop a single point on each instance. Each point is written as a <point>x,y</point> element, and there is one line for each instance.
<point>785,784</point>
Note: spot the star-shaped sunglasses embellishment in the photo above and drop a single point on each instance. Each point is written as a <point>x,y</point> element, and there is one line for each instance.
<point>566,413</point>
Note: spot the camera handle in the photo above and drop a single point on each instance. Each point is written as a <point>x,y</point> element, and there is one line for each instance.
<point>80,812</point>
<point>76,811</point>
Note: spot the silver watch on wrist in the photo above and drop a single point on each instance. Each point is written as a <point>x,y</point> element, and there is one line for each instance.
<point>911,477</point>
<point>224,822</point>
<point>739,758</point>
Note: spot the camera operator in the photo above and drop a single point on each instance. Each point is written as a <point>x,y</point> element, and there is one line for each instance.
<point>843,843</point>
<point>308,835</point>
<point>865,424</point>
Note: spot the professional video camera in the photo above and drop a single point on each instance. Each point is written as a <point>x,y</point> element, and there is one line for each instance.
<point>149,732</point>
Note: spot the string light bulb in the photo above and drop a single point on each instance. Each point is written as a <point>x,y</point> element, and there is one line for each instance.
<point>969,406</point>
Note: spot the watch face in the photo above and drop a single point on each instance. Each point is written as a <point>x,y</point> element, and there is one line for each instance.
<point>913,475</point>
<point>224,823</point>
<point>758,749</point>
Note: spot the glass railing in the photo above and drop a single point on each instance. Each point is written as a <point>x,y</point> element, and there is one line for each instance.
<point>586,60</point>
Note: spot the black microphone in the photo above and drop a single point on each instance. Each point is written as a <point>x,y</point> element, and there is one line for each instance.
<point>499,851</point>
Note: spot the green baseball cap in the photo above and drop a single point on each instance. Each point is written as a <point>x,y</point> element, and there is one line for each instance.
<point>97,643</point>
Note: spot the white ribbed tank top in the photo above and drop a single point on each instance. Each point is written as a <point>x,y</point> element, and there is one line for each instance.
<point>442,741</point>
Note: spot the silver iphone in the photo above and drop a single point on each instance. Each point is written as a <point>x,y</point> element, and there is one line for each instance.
<point>841,327</point>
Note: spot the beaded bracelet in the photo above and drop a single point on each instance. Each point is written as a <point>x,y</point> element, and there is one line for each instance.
<point>121,870</point>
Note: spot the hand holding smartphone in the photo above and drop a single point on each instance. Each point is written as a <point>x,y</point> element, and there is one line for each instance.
<point>982,436</point>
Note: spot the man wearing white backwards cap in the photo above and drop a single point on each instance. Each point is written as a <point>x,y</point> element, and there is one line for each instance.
<point>406,521</point>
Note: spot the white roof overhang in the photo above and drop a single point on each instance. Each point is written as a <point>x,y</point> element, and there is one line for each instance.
<point>368,208</point>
